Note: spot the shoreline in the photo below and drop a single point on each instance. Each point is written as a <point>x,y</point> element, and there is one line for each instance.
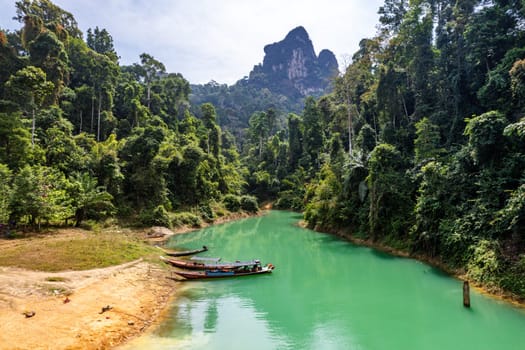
<point>101,308</point>
<point>138,292</point>
<point>91,309</point>
<point>163,313</point>
<point>495,293</point>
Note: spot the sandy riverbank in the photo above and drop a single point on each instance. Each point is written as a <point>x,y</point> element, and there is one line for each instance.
<point>68,306</point>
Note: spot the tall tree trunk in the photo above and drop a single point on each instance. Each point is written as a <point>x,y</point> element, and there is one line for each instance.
<point>80,130</point>
<point>33,124</point>
<point>260,147</point>
<point>99,108</point>
<point>149,94</point>
<point>92,109</point>
<point>349,131</point>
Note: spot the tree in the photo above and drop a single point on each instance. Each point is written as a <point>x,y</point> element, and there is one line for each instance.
<point>29,88</point>
<point>517,83</point>
<point>213,141</point>
<point>313,136</point>
<point>485,134</point>
<point>427,142</point>
<point>47,52</point>
<point>106,165</point>
<point>15,142</point>
<point>51,15</point>
<point>39,193</point>
<point>89,199</point>
<point>295,140</point>
<point>431,207</point>
<point>390,193</point>
<point>101,41</point>
<point>5,189</point>
<point>151,70</point>
<point>144,178</point>
<point>10,62</point>
<point>392,14</point>
<point>105,73</point>
<point>259,130</point>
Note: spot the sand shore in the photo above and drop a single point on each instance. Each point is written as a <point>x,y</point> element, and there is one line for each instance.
<point>68,306</point>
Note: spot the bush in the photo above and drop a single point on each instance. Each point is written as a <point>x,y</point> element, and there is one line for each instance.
<point>289,200</point>
<point>483,265</point>
<point>206,212</point>
<point>232,202</point>
<point>249,203</point>
<point>155,217</point>
<point>185,218</point>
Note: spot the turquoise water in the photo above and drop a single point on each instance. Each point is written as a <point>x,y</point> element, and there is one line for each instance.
<point>325,293</point>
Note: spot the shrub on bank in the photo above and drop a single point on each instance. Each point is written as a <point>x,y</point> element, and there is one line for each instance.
<point>232,202</point>
<point>249,204</point>
<point>157,216</point>
<point>185,219</point>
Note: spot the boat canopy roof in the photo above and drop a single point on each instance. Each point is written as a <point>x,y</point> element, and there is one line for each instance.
<point>205,259</point>
<point>246,263</point>
<point>211,261</point>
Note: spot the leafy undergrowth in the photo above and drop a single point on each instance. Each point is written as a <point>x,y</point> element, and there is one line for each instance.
<point>78,250</point>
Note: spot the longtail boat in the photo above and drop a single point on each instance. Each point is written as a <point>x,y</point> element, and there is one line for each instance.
<point>185,252</point>
<point>223,273</point>
<point>198,263</point>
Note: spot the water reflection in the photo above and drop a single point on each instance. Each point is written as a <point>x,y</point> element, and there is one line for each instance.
<point>327,294</point>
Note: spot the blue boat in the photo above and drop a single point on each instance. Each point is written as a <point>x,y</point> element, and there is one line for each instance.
<point>245,270</point>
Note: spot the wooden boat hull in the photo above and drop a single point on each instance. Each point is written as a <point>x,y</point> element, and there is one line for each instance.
<point>215,274</point>
<point>193,265</point>
<point>184,253</point>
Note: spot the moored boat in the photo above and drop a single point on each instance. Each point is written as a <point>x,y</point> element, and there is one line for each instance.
<point>184,252</point>
<point>223,273</point>
<point>198,263</point>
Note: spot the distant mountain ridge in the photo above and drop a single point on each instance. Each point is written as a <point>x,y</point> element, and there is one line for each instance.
<point>290,72</point>
<point>291,67</point>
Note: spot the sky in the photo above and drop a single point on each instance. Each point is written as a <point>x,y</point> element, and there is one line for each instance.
<point>217,40</point>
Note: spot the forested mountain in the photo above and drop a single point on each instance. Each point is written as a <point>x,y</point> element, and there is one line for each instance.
<point>420,145</point>
<point>290,71</point>
<point>291,67</point>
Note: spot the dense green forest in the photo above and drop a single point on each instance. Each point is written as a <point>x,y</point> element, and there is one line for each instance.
<point>420,146</point>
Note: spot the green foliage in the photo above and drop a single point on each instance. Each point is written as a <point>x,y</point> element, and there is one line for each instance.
<point>390,193</point>
<point>322,209</point>
<point>206,212</point>
<point>157,216</point>
<point>432,205</point>
<point>5,189</point>
<point>484,265</point>
<point>89,199</point>
<point>486,136</point>
<point>232,202</point>
<point>249,204</point>
<point>513,276</point>
<point>185,219</point>
<point>15,142</point>
<point>420,145</point>
<point>426,144</point>
<point>39,193</point>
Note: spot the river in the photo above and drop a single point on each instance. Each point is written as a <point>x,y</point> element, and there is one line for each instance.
<point>325,293</point>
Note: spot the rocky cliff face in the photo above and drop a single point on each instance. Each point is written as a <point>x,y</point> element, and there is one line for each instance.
<point>291,67</point>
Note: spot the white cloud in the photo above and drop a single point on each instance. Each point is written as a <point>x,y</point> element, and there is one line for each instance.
<point>220,40</point>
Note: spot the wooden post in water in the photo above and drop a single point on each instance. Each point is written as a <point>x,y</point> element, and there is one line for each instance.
<point>466,294</point>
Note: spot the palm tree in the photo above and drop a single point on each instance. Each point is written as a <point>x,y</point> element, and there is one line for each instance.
<point>88,196</point>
